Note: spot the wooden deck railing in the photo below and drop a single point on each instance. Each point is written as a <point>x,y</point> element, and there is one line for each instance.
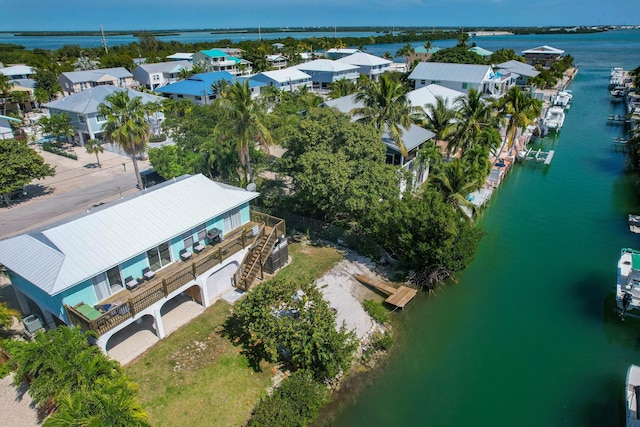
<point>178,274</point>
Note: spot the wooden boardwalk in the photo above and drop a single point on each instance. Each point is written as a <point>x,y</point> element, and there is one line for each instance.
<point>398,297</point>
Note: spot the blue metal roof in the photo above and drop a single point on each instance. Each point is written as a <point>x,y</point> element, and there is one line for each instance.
<point>197,84</point>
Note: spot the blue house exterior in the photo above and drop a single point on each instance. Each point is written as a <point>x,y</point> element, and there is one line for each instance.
<point>199,87</point>
<point>105,269</point>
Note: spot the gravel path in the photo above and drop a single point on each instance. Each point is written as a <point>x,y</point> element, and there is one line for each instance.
<point>345,293</point>
<point>16,407</point>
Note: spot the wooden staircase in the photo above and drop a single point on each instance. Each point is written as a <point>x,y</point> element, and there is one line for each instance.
<point>255,260</point>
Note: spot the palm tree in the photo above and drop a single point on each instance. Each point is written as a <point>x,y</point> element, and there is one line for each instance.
<point>427,48</point>
<point>342,87</point>
<point>406,51</point>
<point>244,123</point>
<point>387,55</point>
<point>94,146</point>
<point>5,90</point>
<point>430,154</point>
<point>454,184</point>
<point>126,125</point>
<point>440,119</point>
<point>474,113</point>
<point>521,110</point>
<point>386,107</point>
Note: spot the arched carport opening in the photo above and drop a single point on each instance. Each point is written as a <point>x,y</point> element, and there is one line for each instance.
<point>220,282</point>
<point>133,340</point>
<point>181,309</point>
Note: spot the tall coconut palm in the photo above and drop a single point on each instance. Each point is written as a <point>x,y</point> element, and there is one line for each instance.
<point>94,146</point>
<point>429,155</point>
<point>342,87</point>
<point>244,123</point>
<point>520,109</point>
<point>454,184</point>
<point>440,119</point>
<point>406,51</point>
<point>474,114</point>
<point>126,125</point>
<point>386,107</point>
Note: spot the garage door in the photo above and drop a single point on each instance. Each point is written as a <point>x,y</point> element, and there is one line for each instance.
<point>220,281</point>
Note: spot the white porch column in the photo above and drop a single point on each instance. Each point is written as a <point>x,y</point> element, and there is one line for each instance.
<point>157,320</point>
<point>205,294</point>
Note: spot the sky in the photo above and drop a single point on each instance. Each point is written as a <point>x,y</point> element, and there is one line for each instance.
<point>53,15</point>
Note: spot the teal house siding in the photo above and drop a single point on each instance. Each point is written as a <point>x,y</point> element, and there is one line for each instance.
<point>245,213</point>
<point>176,245</point>
<point>133,267</point>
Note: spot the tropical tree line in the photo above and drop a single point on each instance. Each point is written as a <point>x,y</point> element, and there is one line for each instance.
<point>73,383</point>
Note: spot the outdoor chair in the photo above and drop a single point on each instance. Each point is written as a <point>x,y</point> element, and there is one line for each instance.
<point>148,273</point>
<point>198,247</point>
<point>185,254</point>
<point>130,283</point>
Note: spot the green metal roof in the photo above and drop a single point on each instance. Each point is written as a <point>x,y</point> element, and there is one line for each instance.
<point>635,261</point>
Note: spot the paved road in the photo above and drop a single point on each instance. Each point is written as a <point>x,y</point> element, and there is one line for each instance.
<point>41,211</point>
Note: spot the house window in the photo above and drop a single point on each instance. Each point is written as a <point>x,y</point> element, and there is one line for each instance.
<point>423,82</point>
<point>198,98</point>
<point>106,284</point>
<point>188,240</point>
<point>80,118</point>
<point>202,232</point>
<point>232,219</point>
<point>156,77</point>
<point>101,118</point>
<point>115,279</point>
<point>465,85</point>
<point>180,96</point>
<point>159,256</point>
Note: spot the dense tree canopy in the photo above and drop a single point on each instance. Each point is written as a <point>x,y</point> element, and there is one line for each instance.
<point>21,164</point>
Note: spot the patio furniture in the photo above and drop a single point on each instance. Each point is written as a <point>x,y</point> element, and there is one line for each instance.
<point>214,235</point>
<point>199,247</point>
<point>185,254</point>
<point>148,273</point>
<point>130,283</point>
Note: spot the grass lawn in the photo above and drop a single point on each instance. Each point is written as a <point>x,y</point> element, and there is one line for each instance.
<point>197,377</point>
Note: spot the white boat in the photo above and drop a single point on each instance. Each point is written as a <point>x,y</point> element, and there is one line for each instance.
<point>562,99</point>
<point>632,394</point>
<point>628,281</point>
<point>554,119</point>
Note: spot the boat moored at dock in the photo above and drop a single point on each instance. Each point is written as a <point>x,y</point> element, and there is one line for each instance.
<point>628,281</point>
<point>554,119</point>
<point>632,394</point>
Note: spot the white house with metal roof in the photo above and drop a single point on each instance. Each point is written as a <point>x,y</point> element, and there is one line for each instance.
<point>337,52</point>
<point>113,265</point>
<point>82,109</point>
<point>324,72</point>
<point>427,95</point>
<point>153,76</point>
<point>463,77</point>
<point>545,55</point>
<point>217,60</point>
<point>277,61</point>
<point>370,65</point>
<point>521,70</point>
<point>181,56</point>
<point>288,79</point>
<point>17,72</point>
<point>77,81</point>
<point>413,138</point>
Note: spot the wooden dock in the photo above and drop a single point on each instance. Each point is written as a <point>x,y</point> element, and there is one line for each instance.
<point>398,297</point>
<point>538,156</point>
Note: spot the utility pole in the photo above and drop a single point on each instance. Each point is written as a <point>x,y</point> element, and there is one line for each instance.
<point>104,40</point>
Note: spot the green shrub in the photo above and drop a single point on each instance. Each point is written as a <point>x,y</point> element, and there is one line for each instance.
<point>381,342</point>
<point>60,152</point>
<point>295,403</point>
<point>158,138</point>
<point>376,310</point>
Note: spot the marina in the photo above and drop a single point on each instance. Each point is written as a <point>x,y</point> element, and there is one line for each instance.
<point>533,318</point>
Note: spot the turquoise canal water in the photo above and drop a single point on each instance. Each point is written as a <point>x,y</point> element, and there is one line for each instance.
<point>528,337</point>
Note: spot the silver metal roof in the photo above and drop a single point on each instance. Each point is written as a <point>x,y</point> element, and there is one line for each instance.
<point>88,100</point>
<point>62,255</point>
<point>362,58</point>
<point>286,74</point>
<point>325,65</point>
<point>97,75</point>
<point>440,71</point>
<point>543,50</point>
<point>518,67</point>
<point>427,95</point>
<point>165,67</point>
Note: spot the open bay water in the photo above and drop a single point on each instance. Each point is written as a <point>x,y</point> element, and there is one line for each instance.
<point>528,336</point>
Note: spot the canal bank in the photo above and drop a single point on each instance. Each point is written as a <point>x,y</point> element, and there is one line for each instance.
<point>528,336</point>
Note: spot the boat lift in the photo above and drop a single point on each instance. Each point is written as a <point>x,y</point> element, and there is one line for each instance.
<point>538,156</point>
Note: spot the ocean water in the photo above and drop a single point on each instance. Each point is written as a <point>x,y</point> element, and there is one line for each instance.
<point>528,336</point>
